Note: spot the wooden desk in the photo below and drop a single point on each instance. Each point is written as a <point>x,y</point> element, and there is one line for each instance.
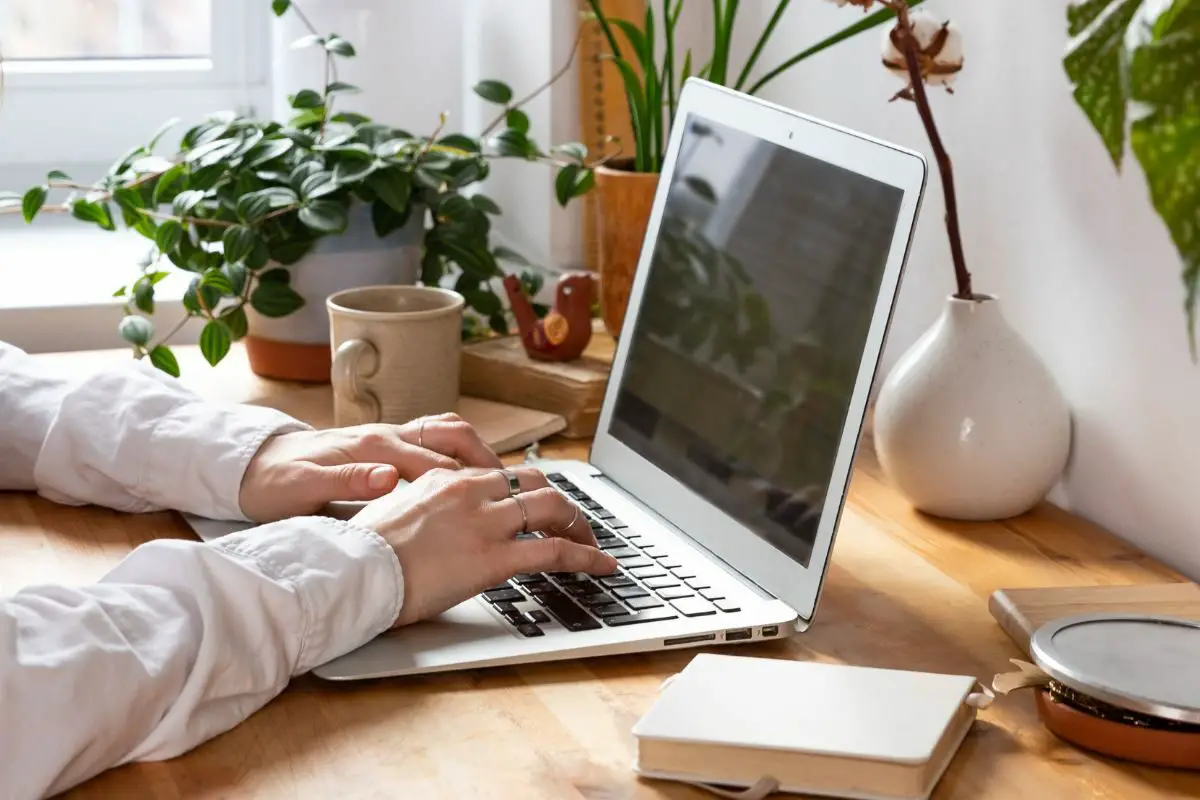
<point>904,591</point>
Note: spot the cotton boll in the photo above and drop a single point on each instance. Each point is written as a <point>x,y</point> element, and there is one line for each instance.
<point>940,43</point>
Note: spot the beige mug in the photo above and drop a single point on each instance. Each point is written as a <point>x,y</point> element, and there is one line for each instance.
<point>396,353</point>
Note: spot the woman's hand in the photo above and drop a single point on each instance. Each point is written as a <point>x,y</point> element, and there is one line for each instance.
<point>294,474</point>
<point>454,532</point>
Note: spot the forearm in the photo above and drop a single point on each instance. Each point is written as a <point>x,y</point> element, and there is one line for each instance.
<point>179,643</point>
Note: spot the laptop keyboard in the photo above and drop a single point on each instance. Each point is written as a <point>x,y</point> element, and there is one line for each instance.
<point>649,586</point>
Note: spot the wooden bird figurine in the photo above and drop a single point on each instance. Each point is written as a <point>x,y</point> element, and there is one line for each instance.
<point>563,333</point>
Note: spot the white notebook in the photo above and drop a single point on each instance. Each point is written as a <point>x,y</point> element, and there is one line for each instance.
<point>824,729</point>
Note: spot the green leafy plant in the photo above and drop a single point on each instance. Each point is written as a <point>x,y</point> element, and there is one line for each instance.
<point>652,85</point>
<point>242,199</point>
<point>1135,65</point>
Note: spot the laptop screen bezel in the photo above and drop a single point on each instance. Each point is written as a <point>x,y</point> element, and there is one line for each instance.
<point>681,506</point>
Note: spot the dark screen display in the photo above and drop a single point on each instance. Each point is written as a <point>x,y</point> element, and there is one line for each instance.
<point>744,353</point>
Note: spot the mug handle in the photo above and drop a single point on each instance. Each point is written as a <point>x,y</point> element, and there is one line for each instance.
<point>354,360</point>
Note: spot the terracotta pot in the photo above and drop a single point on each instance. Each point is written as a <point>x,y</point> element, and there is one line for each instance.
<point>296,347</point>
<point>624,200</point>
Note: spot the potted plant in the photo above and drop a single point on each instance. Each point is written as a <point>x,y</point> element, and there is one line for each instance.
<point>970,423</point>
<point>271,217</point>
<point>626,187</point>
<point>1136,77</point>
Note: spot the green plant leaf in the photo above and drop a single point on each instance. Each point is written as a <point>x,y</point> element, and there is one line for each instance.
<point>460,142</point>
<point>136,330</point>
<point>163,359</point>
<point>300,138</point>
<point>512,142</point>
<point>218,281</point>
<point>143,295</point>
<point>275,298</point>
<point>325,216</point>
<point>517,120</point>
<point>310,40</point>
<point>276,276</point>
<point>236,275</point>
<point>485,204</point>
<point>573,150</point>
<point>291,251</point>
<point>169,184</point>
<point>168,235</point>
<point>393,186</point>
<point>350,118</point>
<point>306,98</point>
<point>1094,64</point>
<point>340,87</point>
<point>121,292</point>
<point>386,219</point>
<point>268,150</point>
<point>433,269</point>
<point>318,184</point>
<point>161,132</point>
<point>57,175</point>
<point>93,212</point>
<point>186,201</point>
<point>499,324</point>
<point>33,201</point>
<point>253,207</point>
<point>235,322</point>
<point>200,299</point>
<point>338,45</point>
<point>532,282</point>
<point>214,342</point>
<point>512,256</point>
<point>352,172</point>
<point>280,7</point>
<point>573,181</point>
<point>639,116</point>
<point>455,207</point>
<point>239,241</point>
<point>494,91</point>
<point>485,301</point>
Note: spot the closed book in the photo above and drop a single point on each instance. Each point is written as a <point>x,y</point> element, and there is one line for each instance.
<point>822,729</point>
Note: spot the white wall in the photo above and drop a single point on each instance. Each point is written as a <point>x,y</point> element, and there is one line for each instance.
<point>1083,266</point>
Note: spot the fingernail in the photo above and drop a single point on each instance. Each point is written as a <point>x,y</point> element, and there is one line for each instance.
<point>379,479</point>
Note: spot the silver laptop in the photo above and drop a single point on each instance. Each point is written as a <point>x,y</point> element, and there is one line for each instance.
<point>738,389</point>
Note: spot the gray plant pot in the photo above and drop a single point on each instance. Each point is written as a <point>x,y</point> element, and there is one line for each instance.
<point>296,347</point>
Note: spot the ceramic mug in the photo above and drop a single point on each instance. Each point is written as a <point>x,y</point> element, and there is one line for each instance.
<point>396,353</point>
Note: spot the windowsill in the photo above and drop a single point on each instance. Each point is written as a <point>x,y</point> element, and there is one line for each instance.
<point>57,278</point>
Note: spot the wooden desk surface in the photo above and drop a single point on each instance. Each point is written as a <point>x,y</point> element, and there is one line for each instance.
<point>904,591</point>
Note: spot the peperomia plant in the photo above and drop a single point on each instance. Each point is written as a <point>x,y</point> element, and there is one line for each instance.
<point>243,199</point>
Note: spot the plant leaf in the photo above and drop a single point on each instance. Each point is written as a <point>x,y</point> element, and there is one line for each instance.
<point>136,330</point>
<point>572,150</point>
<point>317,185</point>
<point>338,45</point>
<point>268,150</point>
<point>517,120</point>
<point>494,92</point>
<point>235,322</point>
<point>307,98</point>
<point>459,141</point>
<point>485,204</point>
<point>143,295</point>
<point>325,216</point>
<point>386,219</point>
<point>168,236</point>
<point>512,256</point>
<point>93,212</point>
<point>33,201</point>
<point>393,186</point>
<point>311,40</point>
<point>218,281</point>
<point>253,207</point>
<point>236,275</point>
<point>351,172</point>
<point>163,359</point>
<point>341,87</point>
<point>280,7</point>
<point>239,241</point>
<point>186,201</point>
<point>214,342</point>
<point>1094,65</point>
<point>564,184</point>
<point>275,298</point>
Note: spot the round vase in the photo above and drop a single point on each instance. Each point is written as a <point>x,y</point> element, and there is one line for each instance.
<point>624,201</point>
<point>296,347</point>
<point>970,423</point>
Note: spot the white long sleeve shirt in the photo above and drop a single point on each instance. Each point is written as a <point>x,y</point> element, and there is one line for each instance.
<point>182,640</point>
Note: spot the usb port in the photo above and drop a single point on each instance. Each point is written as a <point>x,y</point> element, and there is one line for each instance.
<point>703,637</point>
<point>770,630</point>
<point>738,635</point>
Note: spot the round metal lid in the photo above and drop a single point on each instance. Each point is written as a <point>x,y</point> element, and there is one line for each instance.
<point>1138,662</point>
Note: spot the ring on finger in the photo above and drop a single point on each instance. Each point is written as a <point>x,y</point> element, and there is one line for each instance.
<point>567,527</point>
<point>524,513</point>
<point>421,433</point>
<point>514,482</point>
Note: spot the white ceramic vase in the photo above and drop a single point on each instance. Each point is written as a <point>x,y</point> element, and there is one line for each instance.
<point>970,423</point>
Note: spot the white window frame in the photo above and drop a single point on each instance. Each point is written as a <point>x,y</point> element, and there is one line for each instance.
<point>86,114</point>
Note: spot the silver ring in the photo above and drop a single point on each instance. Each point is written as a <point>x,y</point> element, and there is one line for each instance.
<point>514,483</point>
<point>524,515</point>
<point>567,527</point>
<point>421,434</point>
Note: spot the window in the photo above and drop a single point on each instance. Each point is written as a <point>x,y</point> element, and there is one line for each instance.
<point>87,79</point>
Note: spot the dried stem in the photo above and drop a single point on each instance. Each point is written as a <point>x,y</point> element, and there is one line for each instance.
<point>527,98</point>
<point>908,43</point>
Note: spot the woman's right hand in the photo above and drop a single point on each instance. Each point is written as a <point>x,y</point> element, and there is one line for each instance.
<point>454,532</point>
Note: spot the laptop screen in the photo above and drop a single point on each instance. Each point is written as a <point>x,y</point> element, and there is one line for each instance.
<point>755,313</point>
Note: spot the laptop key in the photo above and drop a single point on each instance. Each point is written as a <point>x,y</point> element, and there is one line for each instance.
<point>712,594</point>
<point>697,583</point>
<point>626,592</point>
<point>693,606</point>
<point>638,560</point>
<point>649,615</point>
<point>652,571</point>
<point>609,543</point>
<point>544,587</point>
<point>609,610</point>
<point>654,551</point>
<point>537,616</point>
<point>498,587</point>
<point>604,513</point>
<point>579,495</point>
<point>529,629</point>
<point>556,477</point>
<point>671,563</point>
<point>582,588</point>
<point>571,616</point>
<point>662,583</point>
<point>527,578</point>
<point>674,593</point>
<point>683,572</point>
<point>569,577</point>
<point>624,552</point>
<point>595,599</point>
<point>642,603</point>
<point>728,606</point>
<point>616,524</point>
<point>616,581</point>
<point>503,596</point>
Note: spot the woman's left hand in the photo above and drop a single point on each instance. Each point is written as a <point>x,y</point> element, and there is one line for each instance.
<point>294,474</point>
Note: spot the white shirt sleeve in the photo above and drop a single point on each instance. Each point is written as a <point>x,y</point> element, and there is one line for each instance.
<point>130,438</point>
<point>181,642</point>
